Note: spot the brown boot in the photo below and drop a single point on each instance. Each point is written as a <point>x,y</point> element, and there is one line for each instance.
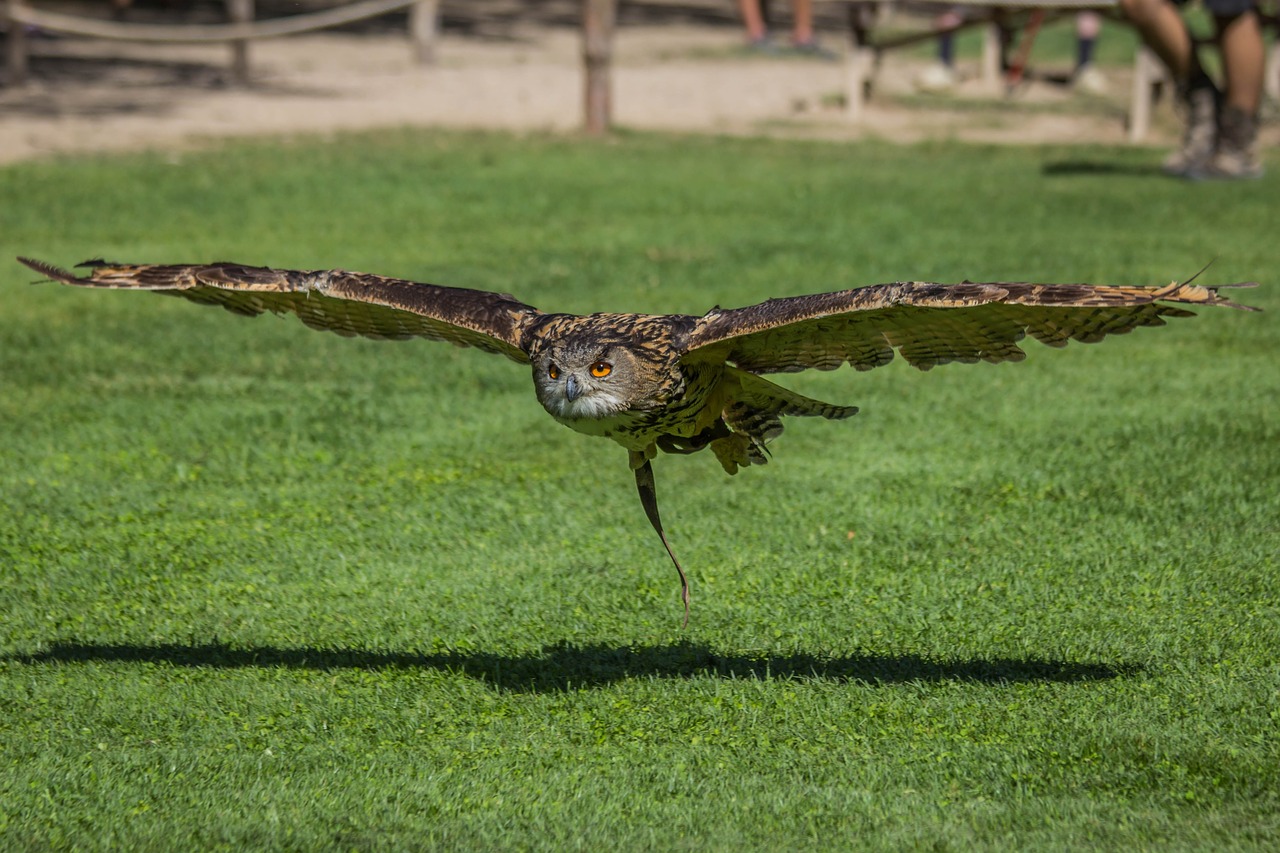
<point>1236,157</point>
<point>1200,138</point>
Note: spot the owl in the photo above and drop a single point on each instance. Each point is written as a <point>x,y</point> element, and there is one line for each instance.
<point>676,383</point>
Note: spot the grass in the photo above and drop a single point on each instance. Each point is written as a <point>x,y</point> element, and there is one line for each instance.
<point>267,588</point>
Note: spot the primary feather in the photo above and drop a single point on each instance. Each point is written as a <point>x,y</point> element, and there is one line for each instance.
<point>349,303</point>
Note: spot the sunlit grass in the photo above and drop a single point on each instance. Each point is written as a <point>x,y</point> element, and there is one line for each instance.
<point>263,587</point>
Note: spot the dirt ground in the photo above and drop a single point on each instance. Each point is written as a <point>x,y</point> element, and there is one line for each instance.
<point>691,76</point>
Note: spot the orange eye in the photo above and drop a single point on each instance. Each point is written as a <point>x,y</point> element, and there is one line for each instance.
<point>553,372</point>
<point>601,369</point>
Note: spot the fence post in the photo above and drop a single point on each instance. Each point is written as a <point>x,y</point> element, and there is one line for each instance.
<point>860,66</point>
<point>1147,71</point>
<point>240,12</point>
<point>16,61</point>
<point>992,54</point>
<point>598,20</point>
<point>424,18</point>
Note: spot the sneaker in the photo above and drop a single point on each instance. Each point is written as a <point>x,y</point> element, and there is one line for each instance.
<point>813,50</point>
<point>1090,80</point>
<point>1236,157</point>
<point>1201,136</point>
<point>937,78</point>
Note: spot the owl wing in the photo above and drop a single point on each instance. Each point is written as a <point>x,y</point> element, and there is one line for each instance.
<point>349,303</point>
<point>931,324</point>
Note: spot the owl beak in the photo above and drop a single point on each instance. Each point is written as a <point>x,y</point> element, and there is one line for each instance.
<point>571,389</point>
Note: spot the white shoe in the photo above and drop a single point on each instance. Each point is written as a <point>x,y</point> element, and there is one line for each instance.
<point>1089,80</point>
<point>937,78</point>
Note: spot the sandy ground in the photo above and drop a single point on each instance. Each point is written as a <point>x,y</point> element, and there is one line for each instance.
<point>92,95</point>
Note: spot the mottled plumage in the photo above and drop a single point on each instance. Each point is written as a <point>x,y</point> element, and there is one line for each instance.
<point>673,382</point>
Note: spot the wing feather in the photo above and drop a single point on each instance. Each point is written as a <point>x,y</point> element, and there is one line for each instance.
<point>348,303</point>
<point>930,324</point>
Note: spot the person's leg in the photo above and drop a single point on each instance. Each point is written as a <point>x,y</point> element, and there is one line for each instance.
<point>1244,61</point>
<point>1085,77</point>
<point>1088,25</point>
<point>947,22</point>
<point>941,75</point>
<point>1162,29</point>
<point>802,22</point>
<point>753,20</point>
<point>1243,67</point>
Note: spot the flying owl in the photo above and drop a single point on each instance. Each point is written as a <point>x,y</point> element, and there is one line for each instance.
<point>672,382</point>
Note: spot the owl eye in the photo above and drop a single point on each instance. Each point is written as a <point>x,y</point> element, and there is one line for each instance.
<point>601,369</point>
<point>553,372</point>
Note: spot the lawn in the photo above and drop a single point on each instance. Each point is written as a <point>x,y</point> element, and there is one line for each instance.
<point>267,588</point>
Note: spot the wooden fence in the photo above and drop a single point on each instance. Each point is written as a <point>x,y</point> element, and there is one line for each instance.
<point>598,20</point>
<point>238,32</point>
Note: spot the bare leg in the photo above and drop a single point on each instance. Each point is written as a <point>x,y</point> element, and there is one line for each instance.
<point>802,21</point>
<point>752,19</point>
<point>1243,61</point>
<point>1163,30</point>
<point>649,500</point>
<point>1243,66</point>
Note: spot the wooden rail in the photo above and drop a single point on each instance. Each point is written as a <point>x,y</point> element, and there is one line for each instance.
<point>423,15</point>
<point>599,19</point>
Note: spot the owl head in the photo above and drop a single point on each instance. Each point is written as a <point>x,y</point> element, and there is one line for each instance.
<point>578,380</point>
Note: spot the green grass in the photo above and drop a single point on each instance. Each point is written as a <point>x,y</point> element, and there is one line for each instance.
<point>267,588</point>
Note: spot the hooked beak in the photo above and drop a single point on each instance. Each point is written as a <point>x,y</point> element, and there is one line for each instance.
<point>571,389</point>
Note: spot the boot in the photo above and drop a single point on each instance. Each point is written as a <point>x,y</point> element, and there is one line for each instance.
<point>1236,156</point>
<point>1201,135</point>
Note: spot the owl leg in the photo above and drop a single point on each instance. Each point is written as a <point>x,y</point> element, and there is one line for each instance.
<point>649,500</point>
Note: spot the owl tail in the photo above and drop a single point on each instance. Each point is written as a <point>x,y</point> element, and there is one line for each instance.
<point>649,500</point>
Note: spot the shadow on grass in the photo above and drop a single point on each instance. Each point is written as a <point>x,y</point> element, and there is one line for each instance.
<point>566,666</point>
<point>1070,168</point>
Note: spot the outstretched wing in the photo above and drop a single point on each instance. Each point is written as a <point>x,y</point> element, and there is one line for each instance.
<point>931,323</point>
<point>349,303</point>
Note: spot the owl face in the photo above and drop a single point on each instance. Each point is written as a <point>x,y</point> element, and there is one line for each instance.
<point>585,381</point>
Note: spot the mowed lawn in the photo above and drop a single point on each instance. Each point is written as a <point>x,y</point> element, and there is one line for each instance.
<point>262,587</point>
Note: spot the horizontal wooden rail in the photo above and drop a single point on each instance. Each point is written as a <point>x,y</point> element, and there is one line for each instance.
<point>203,33</point>
<point>423,24</point>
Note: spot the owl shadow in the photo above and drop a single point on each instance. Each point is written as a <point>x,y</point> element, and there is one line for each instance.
<point>1084,167</point>
<point>566,666</point>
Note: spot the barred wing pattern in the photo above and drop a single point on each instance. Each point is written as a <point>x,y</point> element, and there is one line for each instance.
<point>931,324</point>
<point>348,303</point>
